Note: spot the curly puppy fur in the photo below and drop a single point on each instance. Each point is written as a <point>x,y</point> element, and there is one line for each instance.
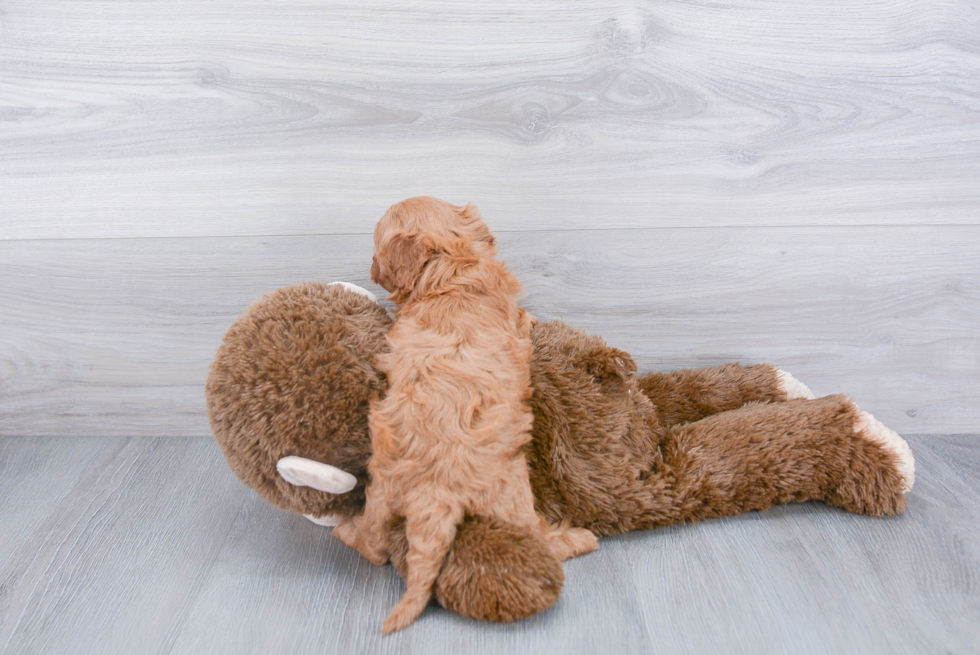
<point>447,438</point>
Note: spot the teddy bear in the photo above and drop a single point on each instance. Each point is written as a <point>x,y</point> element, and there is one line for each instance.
<point>288,396</point>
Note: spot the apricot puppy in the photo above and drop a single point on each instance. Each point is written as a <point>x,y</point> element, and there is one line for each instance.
<point>447,438</point>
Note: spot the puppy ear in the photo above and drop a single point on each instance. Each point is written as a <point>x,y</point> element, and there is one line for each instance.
<point>400,262</point>
<point>470,216</point>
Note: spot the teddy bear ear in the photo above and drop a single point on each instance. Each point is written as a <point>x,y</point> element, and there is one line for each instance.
<point>304,472</point>
<point>356,289</point>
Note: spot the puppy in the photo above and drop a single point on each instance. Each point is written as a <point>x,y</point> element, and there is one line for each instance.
<point>447,438</point>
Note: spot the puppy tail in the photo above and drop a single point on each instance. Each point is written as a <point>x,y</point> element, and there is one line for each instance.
<point>429,541</point>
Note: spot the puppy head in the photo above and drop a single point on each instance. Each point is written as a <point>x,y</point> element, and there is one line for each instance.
<point>439,218</point>
<point>424,241</point>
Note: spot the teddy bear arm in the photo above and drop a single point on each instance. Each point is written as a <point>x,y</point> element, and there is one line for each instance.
<point>693,394</point>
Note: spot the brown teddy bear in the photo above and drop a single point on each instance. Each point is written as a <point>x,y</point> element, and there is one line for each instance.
<point>288,397</point>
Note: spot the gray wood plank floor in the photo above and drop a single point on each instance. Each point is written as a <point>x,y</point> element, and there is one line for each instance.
<point>150,545</point>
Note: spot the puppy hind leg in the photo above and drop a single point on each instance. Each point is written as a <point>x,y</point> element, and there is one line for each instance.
<point>566,542</point>
<point>429,541</point>
<point>366,531</point>
<point>515,503</point>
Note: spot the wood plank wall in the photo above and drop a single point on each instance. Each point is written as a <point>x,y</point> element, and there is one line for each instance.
<point>698,182</point>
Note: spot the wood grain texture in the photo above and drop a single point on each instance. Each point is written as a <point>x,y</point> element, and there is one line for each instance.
<point>226,117</point>
<point>158,549</point>
<point>115,562</point>
<point>697,182</point>
<point>114,337</point>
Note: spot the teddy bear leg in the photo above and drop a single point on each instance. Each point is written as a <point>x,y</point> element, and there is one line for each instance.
<point>690,395</point>
<point>765,453</point>
<point>877,449</point>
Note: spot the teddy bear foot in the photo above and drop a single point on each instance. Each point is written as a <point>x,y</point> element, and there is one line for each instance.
<point>878,471</point>
<point>348,533</point>
<point>792,387</point>
<point>871,429</point>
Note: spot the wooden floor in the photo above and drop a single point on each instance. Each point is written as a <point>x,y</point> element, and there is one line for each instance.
<point>150,545</point>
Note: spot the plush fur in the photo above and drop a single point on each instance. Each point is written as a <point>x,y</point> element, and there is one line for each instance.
<point>609,451</point>
<point>494,570</point>
<point>294,377</point>
<point>624,454</point>
<point>447,437</point>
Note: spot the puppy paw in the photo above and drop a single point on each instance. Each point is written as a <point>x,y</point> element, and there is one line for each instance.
<point>566,543</point>
<point>871,429</point>
<point>348,533</point>
<point>792,387</point>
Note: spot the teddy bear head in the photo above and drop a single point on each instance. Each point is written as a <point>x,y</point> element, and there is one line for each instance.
<point>288,396</point>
